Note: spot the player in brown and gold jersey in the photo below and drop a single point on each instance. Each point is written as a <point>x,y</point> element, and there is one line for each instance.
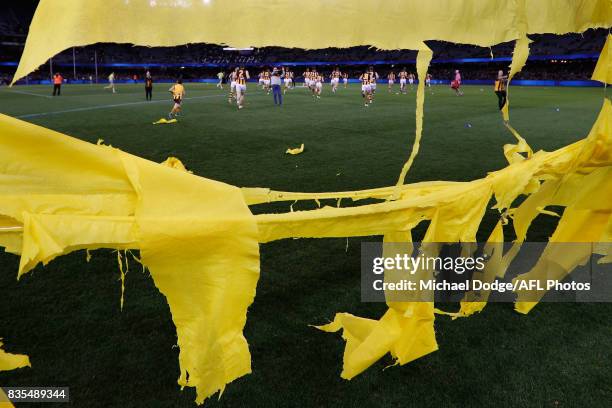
<point>241,79</point>
<point>266,80</point>
<point>366,87</point>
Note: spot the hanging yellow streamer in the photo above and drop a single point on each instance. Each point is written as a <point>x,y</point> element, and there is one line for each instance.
<point>423,59</point>
<point>603,69</point>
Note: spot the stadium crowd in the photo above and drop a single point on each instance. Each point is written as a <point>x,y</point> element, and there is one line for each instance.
<point>205,60</point>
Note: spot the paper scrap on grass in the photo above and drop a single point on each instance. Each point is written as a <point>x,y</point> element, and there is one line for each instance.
<point>296,150</point>
<point>164,121</point>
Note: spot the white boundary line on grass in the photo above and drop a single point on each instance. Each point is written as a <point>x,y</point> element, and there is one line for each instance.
<point>30,93</point>
<point>116,105</point>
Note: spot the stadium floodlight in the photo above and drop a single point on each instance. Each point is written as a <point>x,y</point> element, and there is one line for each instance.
<point>238,49</point>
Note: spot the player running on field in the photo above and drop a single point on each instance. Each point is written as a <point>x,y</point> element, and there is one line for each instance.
<point>366,88</point>
<point>232,93</point>
<point>373,78</point>
<point>260,81</point>
<point>287,81</point>
<point>266,81</point>
<point>500,88</point>
<point>306,75</point>
<point>428,80</point>
<point>242,75</point>
<point>312,75</point>
<point>403,75</point>
<point>391,79</point>
<point>178,94</point>
<point>318,85</point>
<point>335,79</point>
<point>345,79</point>
<point>456,83</point>
<point>111,82</point>
<point>220,76</point>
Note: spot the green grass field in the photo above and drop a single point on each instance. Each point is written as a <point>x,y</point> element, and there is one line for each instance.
<point>66,315</point>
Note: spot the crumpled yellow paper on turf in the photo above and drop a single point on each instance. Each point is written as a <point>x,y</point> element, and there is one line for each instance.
<point>296,150</point>
<point>164,121</point>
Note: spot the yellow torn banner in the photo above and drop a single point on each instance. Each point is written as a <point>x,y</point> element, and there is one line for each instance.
<point>198,237</point>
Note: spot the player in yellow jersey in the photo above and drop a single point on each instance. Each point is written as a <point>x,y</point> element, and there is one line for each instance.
<point>241,78</point>
<point>391,79</point>
<point>178,94</point>
<point>366,87</point>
